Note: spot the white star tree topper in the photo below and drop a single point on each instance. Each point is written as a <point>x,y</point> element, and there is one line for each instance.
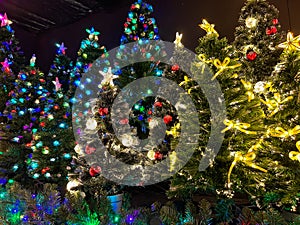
<point>108,77</point>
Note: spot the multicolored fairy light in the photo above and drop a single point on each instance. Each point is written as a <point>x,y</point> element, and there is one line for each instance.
<point>57,84</point>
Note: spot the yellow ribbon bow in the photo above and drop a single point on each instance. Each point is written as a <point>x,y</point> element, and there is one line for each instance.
<point>295,155</point>
<point>249,87</point>
<point>174,130</point>
<point>247,160</point>
<point>186,80</point>
<point>282,133</point>
<point>237,125</point>
<point>274,104</point>
<point>221,66</point>
<point>209,28</point>
<point>203,62</point>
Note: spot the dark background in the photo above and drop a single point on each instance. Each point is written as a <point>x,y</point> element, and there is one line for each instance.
<point>171,16</point>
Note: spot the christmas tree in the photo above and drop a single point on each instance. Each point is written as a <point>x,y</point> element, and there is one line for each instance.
<point>89,51</point>
<point>256,39</point>
<point>61,68</point>
<point>243,124</point>
<point>11,58</point>
<point>23,109</point>
<point>9,45</point>
<point>53,144</point>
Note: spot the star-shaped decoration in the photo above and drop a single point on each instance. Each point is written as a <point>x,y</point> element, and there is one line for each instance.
<point>209,28</point>
<point>108,77</point>
<point>92,33</point>
<point>5,65</point>
<point>61,48</point>
<point>292,43</point>
<point>57,84</point>
<point>4,20</point>
<point>177,41</point>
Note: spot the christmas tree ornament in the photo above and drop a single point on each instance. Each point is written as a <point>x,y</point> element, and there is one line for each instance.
<point>95,170</point>
<point>57,84</point>
<point>168,119</point>
<point>91,124</point>
<point>292,43</point>
<point>108,77</point>
<point>61,48</point>
<point>295,155</point>
<point>251,55</point>
<point>151,155</point>
<point>209,28</point>
<point>5,65</point>
<point>251,22</point>
<point>247,159</point>
<point>271,30</point>
<point>4,20</point>
<point>177,41</point>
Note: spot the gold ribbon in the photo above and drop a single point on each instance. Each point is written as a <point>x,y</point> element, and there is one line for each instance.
<point>295,155</point>
<point>237,125</point>
<point>274,104</point>
<point>249,87</point>
<point>174,130</point>
<point>247,159</point>
<point>221,66</point>
<point>186,80</point>
<point>282,133</point>
<point>203,62</point>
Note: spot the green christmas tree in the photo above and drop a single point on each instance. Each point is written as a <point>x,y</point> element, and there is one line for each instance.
<point>53,144</point>
<point>281,105</point>
<point>23,109</point>
<point>11,58</point>
<point>243,126</point>
<point>256,39</point>
<point>61,68</point>
<point>89,51</point>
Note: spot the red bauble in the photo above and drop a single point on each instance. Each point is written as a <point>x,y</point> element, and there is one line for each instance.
<point>124,121</point>
<point>103,111</point>
<point>94,170</point>
<point>168,119</point>
<point>251,55</point>
<point>89,150</point>
<point>158,104</point>
<point>175,67</point>
<point>275,21</point>
<point>271,30</point>
<point>158,156</point>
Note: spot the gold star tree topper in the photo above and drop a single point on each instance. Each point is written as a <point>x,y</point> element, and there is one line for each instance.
<point>209,28</point>
<point>292,43</point>
<point>177,41</point>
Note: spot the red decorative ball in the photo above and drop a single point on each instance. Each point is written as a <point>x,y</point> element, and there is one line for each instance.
<point>271,30</point>
<point>42,124</point>
<point>124,121</point>
<point>275,21</point>
<point>89,150</point>
<point>168,119</point>
<point>251,55</point>
<point>158,104</point>
<point>175,67</point>
<point>158,156</point>
<point>95,170</point>
<point>103,111</point>
<point>149,112</point>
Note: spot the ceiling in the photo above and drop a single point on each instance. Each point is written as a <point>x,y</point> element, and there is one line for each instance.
<point>40,15</point>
